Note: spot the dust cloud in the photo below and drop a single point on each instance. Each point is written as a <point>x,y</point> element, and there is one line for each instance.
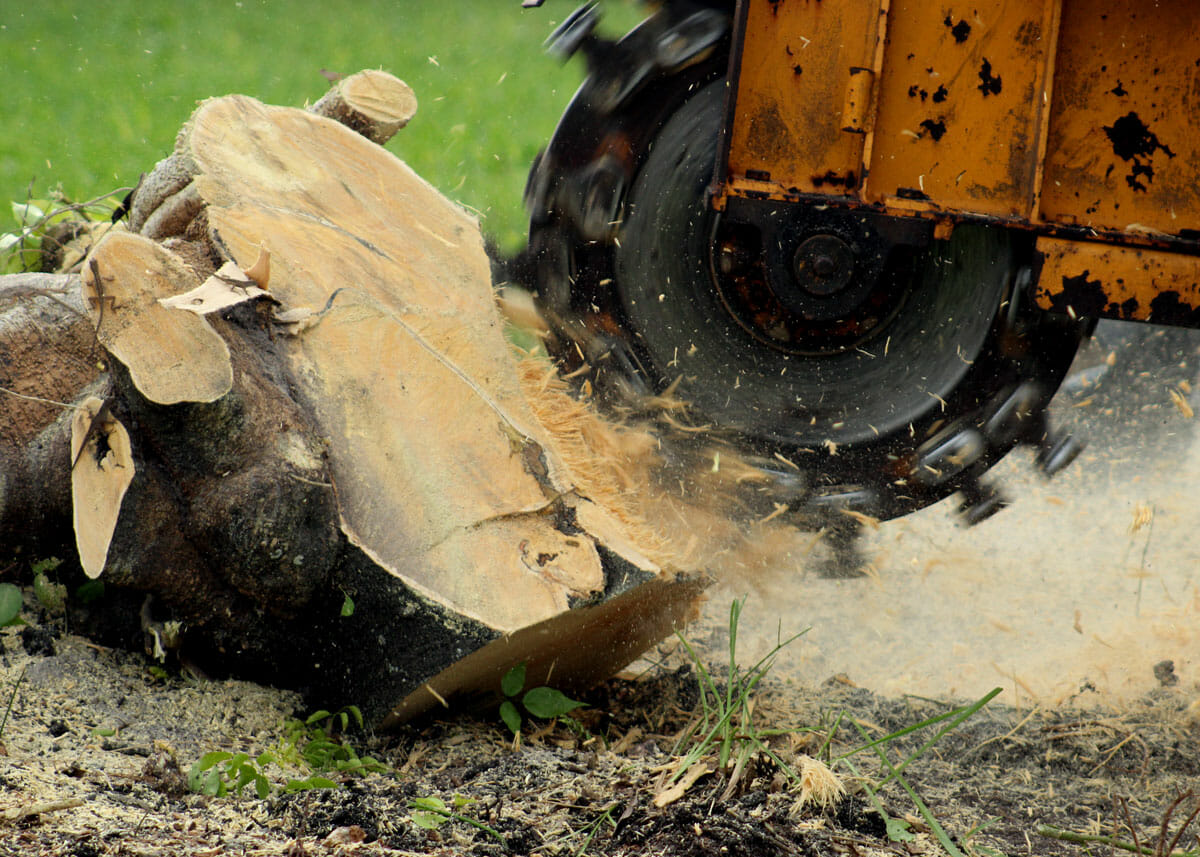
<point>1082,588</point>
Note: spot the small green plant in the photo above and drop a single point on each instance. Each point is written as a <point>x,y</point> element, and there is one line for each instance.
<point>897,829</point>
<point>726,726</point>
<point>12,697</point>
<point>431,812</point>
<point>318,743</point>
<point>726,730</point>
<point>219,773</point>
<point>545,703</point>
<point>21,249</point>
<point>605,819</point>
<point>315,744</point>
<point>51,595</point>
<point>10,605</point>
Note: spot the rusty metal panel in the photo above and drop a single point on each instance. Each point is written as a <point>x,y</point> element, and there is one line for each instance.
<point>800,83</point>
<point>961,104</point>
<point>1124,143</point>
<point>1092,280</point>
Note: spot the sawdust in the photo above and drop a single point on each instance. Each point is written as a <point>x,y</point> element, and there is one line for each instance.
<point>1081,586</point>
<point>685,508</point>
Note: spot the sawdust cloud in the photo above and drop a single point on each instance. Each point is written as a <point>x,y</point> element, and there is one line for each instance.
<point>1084,587</point>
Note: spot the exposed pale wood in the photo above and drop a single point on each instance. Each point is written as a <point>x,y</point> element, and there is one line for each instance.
<point>444,455</point>
<point>18,813</point>
<point>171,356</point>
<point>102,469</point>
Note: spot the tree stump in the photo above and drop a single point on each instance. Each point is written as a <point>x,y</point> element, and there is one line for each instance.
<point>344,480</point>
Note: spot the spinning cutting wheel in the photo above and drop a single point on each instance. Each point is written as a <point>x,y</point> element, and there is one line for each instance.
<point>891,367</point>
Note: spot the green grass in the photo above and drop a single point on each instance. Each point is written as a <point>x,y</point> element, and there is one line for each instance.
<point>95,92</point>
<point>727,735</point>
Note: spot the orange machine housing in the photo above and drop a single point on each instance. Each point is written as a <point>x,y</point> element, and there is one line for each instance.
<point>1075,120</point>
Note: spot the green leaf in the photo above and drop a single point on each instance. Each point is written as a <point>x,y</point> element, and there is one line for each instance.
<point>317,717</point>
<point>261,787</point>
<point>210,759</point>
<point>246,776</point>
<point>265,758</point>
<point>514,680</point>
<point>27,213</point>
<point>90,591</point>
<point>10,604</point>
<point>897,830</point>
<point>195,779</point>
<point>52,596</point>
<point>313,782</point>
<point>211,784</point>
<point>347,607</point>
<point>428,812</point>
<point>548,703</point>
<point>510,716</point>
<point>203,776</point>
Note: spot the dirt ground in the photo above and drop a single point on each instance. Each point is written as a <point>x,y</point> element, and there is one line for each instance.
<point>1080,602</point>
<point>98,747</point>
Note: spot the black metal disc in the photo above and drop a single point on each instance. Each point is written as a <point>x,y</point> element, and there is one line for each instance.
<point>899,374</point>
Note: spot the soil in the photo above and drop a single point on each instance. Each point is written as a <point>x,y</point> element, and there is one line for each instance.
<point>99,742</point>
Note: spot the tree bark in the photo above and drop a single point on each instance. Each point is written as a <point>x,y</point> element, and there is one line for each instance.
<point>347,483</point>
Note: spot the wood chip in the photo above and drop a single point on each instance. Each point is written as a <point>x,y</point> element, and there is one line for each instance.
<point>678,790</point>
<point>19,812</point>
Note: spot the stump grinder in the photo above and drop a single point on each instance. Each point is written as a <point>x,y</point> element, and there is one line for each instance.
<point>862,240</point>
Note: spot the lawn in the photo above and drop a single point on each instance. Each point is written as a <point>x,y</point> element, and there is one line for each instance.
<point>96,92</point>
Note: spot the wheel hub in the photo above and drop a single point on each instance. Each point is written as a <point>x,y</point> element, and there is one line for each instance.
<point>823,265</point>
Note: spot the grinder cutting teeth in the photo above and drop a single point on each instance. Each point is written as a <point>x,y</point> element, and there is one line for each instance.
<point>864,359</point>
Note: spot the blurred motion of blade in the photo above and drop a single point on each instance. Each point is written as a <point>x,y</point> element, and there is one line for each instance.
<point>898,365</point>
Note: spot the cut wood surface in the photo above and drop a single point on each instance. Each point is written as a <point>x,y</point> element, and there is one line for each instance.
<point>439,463</point>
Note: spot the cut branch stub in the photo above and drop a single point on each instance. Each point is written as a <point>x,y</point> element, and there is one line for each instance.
<point>372,102</point>
<point>101,470</point>
<point>172,356</point>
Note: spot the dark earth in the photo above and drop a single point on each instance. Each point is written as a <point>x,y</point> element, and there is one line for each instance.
<point>98,743</point>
